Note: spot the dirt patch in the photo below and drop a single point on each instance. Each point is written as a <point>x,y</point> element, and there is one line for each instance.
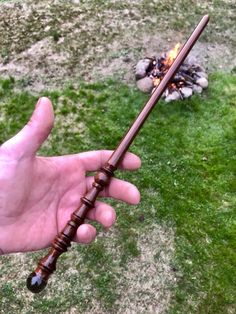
<point>146,283</point>
<point>49,43</point>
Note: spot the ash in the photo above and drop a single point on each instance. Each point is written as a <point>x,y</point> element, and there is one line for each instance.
<point>191,77</point>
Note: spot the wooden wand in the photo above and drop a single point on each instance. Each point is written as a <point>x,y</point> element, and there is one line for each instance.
<point>37,280</point>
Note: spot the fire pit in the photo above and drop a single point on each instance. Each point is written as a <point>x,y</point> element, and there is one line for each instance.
<point>191,77</point>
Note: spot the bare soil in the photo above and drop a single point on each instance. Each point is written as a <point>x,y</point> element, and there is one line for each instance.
<point>49,43</point>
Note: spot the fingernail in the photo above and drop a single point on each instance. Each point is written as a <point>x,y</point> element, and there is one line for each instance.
<point>38,103</point>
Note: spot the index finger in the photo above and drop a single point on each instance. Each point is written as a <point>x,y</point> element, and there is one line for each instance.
<point>94,160</point>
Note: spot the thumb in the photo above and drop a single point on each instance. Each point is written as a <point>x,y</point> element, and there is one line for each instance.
<point>35,132</point>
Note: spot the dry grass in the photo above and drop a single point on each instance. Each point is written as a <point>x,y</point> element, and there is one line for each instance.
<point>147,283</point>
<point>49,42</point>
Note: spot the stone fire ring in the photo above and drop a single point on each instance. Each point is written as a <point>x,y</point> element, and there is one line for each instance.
<point>198,79</point>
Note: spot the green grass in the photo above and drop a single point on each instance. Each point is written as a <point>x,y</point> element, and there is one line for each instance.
<point>188,152</point>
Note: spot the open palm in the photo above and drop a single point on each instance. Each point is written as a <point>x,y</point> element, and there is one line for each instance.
<point>38,194</point>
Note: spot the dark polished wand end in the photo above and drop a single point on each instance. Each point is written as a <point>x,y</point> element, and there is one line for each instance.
<point>36,283</point>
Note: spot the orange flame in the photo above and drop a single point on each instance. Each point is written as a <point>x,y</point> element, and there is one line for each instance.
<point>156,81</point>
<point>171,55</point>
<point>169,58</point>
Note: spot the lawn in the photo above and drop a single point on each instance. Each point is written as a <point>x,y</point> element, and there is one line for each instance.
<point>186,217</point>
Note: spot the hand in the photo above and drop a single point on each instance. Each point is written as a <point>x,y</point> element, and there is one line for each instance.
<point>38,194</point>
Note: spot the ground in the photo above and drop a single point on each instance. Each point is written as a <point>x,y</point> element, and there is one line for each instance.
<point>51,42</point>
<point>162,256</point>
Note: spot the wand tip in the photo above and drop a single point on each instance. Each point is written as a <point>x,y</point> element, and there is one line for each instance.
<point>35,282</point>
<point>206,16</point>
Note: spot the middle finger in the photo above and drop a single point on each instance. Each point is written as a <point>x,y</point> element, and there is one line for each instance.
<point>118,189</point>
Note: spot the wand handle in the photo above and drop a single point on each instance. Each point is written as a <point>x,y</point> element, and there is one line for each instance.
<point>37,280</point>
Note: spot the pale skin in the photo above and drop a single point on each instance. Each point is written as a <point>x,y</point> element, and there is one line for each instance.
<point>38,194</point>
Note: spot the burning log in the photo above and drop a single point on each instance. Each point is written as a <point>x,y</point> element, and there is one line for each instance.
<point>191,77</point>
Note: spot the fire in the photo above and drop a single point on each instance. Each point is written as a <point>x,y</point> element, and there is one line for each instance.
<point>160,66</point>
<point>190,77</point>
<point>171,55</point>
<point>156,81</point>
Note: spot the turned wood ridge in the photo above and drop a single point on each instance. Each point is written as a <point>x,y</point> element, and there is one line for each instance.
<point>47,265</point>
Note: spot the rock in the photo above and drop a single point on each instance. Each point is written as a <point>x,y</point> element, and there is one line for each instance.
<point>197,89</point>
<point>202,81</point>
<point>186,92</point>
<point>145,84</point>
<point>198,68</point>
<point>190,60</point>
<point>184,67</point>
<point>172,96</point>
<point>166,93</point>
<point>202,74</point>
<point>141,67</point>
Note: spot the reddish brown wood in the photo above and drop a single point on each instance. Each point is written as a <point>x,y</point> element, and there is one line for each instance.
<point>47,265</point>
